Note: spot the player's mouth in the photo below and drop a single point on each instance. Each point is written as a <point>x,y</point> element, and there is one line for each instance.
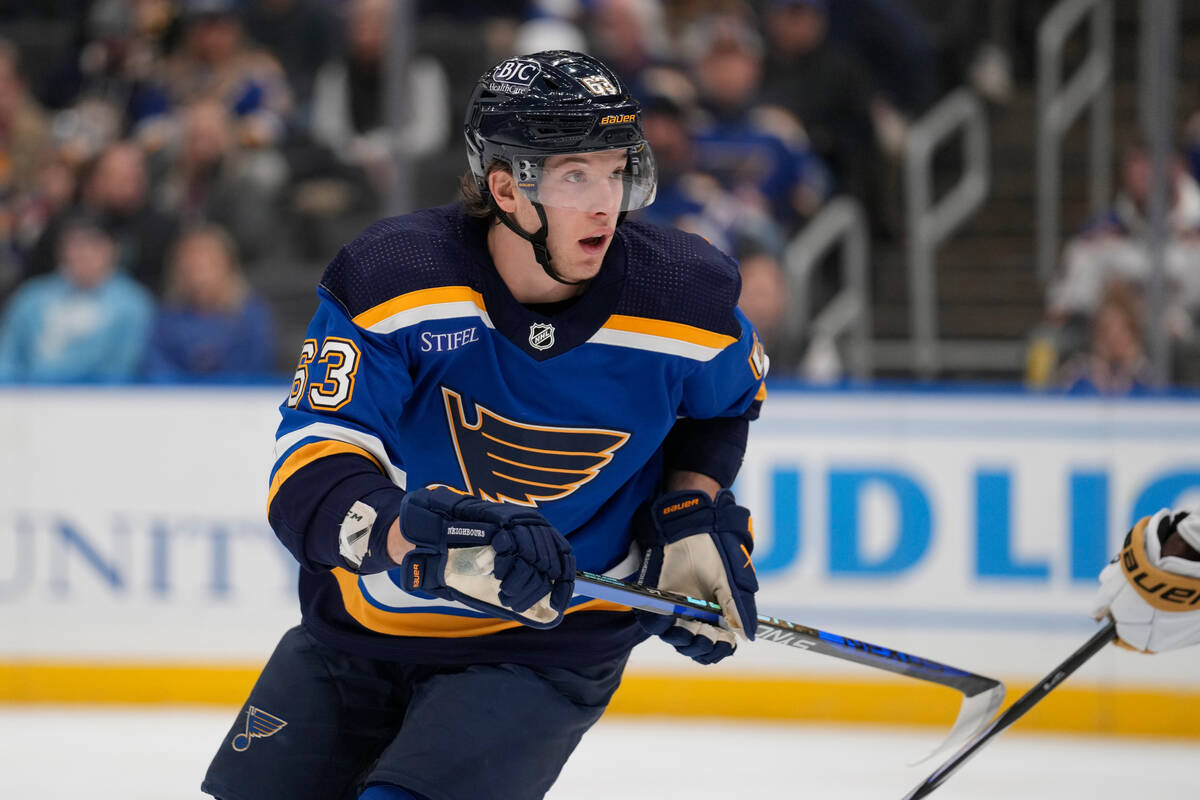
<point>594,245</point>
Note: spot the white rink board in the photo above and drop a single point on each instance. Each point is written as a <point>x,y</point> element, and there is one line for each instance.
<point>961,527</point>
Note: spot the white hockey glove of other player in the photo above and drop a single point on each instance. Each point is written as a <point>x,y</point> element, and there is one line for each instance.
<point>700,547</point>
<point>1154,598</point>
<point>505,560</point>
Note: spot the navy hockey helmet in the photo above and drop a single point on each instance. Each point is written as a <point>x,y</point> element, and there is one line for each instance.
<point>530,108</point>
<point>556,102</point>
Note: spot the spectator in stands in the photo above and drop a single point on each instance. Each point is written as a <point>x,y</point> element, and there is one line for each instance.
<point>685,198</point>
<point>1115,362</point>
<point>958,35</point>
<point>25,218</point>
<point>116,64</point>
<point>215,63</point>
<point>895,45</point>
<point>688,198</point>
<point>302,35</point>
<point>212,178</point>
<point>210,326</point>
<point>24,130</point>
<point>1114,247</point>
<point>349,106</point>
<point>85,323</point>
<point>759,155</point>
<point>461,39</point>
<point>629,36</point>
<point>341,184</point>
<point>23,150</point>
<point>828,89</point>
<point>1112,251</point>
<point>766,301</point>
<point>116,192</point>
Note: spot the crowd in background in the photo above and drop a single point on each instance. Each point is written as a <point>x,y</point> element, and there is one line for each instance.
<point>1094,339</point>
<point>174,174</point>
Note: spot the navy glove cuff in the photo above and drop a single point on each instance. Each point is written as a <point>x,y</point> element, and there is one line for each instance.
<point>429,522</point>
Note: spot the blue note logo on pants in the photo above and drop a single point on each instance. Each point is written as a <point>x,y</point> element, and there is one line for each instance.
<point>259,725</point>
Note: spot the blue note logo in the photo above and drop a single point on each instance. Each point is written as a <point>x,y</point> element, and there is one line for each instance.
<point>259,725</point>
<point>506,461</point>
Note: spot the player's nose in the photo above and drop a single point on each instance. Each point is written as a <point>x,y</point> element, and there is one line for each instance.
<point>604,201</point>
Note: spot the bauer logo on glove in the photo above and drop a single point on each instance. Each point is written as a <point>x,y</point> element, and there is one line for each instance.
<point>700,547</point>
<point>1154,598</point>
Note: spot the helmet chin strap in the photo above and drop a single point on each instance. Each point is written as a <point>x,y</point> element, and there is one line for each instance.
<point>537,239</point>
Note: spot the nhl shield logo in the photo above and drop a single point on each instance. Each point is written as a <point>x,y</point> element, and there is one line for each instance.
<point>541,336</point>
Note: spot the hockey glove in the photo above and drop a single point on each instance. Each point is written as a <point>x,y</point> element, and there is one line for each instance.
<point>505,560</point>
<point>700,547</point>
<point>1154,599</point>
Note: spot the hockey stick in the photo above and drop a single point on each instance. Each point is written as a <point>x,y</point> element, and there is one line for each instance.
<point>1018,709</point>
<point>981,695</point>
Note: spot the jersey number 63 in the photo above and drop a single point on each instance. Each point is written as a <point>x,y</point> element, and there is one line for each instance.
<point>337,387</point>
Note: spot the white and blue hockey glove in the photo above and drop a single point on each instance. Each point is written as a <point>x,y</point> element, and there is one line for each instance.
<point>1154,597</point>
<point>700,547</point>
<point>502,559</point>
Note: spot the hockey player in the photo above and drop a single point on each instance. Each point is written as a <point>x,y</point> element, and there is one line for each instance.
<point>1152,588</point>
<point>490,395</point>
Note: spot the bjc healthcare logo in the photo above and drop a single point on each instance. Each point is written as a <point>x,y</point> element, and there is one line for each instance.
<point>516,71</point>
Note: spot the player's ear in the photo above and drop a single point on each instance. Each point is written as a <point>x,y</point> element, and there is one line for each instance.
<point>503,189</point>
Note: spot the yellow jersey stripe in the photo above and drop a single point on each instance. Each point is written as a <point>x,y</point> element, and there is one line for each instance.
<point>306,455</point>
<point>440,626</point>
<point>669,330</point>
<point>422,297</point>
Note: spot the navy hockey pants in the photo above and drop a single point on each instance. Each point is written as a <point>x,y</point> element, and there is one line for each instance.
<point>321,724</point>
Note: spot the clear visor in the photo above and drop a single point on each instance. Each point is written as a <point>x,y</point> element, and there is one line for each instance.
<point>623,179</point>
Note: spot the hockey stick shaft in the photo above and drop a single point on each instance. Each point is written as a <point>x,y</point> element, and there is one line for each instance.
<point>773,629</point>
<point>1018,709</point>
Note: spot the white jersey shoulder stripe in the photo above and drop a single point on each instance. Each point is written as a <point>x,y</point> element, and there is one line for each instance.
<point>413,316</point>
<point>657,344</point>
<point>325,430</point>
<point>421,305</point>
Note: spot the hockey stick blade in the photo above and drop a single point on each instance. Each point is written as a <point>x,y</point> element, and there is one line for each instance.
<point>1018,709</point>
<point>982,696</point>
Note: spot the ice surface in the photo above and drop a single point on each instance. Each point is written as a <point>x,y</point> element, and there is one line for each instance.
<point>134,754</point>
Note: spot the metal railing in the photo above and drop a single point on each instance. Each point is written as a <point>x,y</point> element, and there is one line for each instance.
<point>931,221</point>
<point>1158,85</point>
<point>1059,105</point>
<point>840,223</point>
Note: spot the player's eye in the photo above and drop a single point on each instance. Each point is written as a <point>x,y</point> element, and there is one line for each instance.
<point>575,176</point>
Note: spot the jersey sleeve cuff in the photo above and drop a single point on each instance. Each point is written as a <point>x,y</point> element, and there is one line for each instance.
<point>379,493</point>
<point>386,502</point>
<point>712,447</point>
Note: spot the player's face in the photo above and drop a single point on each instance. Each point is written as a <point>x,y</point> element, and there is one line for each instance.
<point>582,196</point>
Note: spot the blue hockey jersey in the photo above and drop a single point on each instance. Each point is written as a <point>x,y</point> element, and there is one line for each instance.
<point>420,368</point>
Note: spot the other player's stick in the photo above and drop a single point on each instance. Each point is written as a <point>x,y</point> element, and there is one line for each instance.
<point>981,695</point>
<point>1018,709</point>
